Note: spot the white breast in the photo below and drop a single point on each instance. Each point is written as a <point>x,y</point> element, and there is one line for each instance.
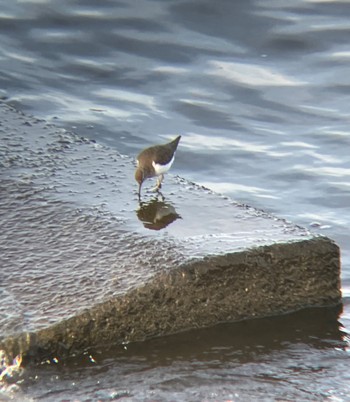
<point>161,169</point>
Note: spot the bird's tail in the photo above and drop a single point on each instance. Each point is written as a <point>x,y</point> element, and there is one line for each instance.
<point>175,142</point>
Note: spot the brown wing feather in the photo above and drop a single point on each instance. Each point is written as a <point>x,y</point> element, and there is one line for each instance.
<point>161,154</point>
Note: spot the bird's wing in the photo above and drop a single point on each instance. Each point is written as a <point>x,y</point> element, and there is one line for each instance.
<point>163,157</point>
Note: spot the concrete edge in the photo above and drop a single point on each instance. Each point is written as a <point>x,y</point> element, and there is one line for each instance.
<point>255,283</point>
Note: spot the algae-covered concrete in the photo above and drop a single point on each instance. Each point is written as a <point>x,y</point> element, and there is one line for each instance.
<point>82,263</point>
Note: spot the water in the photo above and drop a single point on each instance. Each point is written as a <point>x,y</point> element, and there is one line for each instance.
<point>260,92</point>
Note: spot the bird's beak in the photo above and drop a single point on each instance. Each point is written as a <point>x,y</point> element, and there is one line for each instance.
<point>139,193</point>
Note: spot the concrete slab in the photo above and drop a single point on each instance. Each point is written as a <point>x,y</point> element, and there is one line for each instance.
<point>82,263</point>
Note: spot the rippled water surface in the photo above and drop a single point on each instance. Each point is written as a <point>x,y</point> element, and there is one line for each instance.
<point>260,91</point>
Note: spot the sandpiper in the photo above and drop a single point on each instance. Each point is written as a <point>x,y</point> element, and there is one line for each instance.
<point>155,161</point>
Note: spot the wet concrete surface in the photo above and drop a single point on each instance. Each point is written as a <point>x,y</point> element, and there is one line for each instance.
<point>82,263</point>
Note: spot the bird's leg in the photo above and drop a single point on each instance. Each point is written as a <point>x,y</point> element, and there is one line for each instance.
<point>159,181</point>
<point>160,196</point>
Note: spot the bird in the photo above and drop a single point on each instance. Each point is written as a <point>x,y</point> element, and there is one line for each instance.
<point>155,161</point>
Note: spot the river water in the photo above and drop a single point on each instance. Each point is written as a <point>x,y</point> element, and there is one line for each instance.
<point>260,91</point>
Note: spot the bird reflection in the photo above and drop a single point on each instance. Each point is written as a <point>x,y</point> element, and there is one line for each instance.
<point>156,214</point>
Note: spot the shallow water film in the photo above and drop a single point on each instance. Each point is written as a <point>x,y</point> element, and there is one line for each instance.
<point>259,91</point>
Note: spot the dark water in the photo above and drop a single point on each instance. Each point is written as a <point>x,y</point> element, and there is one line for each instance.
<point>260,91</point>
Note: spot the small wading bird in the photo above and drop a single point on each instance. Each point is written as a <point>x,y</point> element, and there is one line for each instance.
<point>155,161</point>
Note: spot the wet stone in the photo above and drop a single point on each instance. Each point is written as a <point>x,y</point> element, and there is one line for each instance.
<point>82,263</point>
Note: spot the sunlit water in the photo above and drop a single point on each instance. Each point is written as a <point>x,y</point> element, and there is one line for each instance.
<point>260,91</point>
